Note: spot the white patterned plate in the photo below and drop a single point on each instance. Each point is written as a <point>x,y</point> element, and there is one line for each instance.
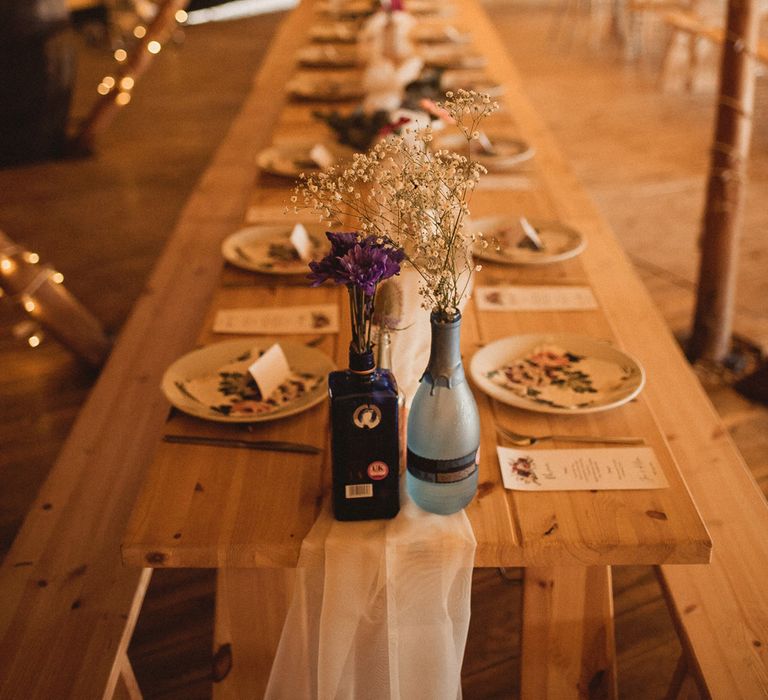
<point>266,249</point>
<point>328,56</point>
<point>290,160</point>
<point>199,367</point>
<point>560,241</point>
<point>439,34</point>
<point>451,57</point>
<point>341,32</point>
<point>557,373</point>
<point>470,79</point>
<point>508,153</point>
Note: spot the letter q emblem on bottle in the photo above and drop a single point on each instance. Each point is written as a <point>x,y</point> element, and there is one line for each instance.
<point>366,416</point>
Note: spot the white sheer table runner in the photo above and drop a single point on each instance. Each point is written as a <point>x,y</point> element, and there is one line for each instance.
<point>380,610</point>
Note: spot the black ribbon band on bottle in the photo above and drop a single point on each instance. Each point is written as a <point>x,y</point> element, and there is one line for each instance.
<point>442,471</point>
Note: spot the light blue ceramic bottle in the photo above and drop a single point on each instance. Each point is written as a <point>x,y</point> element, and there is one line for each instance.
<point>443,428</point>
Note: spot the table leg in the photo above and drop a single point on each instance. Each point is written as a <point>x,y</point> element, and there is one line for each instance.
<point>568,648</point>
<point>251,605</point>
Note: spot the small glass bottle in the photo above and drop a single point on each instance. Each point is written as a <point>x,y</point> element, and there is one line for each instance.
<point>443,428</point>
<point>364,440</point>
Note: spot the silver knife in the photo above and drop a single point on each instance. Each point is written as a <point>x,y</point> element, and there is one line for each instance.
<point>269,445</point>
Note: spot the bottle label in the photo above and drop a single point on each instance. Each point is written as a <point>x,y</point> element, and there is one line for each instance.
<point>442,471</point>
<point>358,491</point>
<point>378,470</point>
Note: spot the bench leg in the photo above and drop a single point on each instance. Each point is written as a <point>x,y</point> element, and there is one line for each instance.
<point>251,605</point>
<point>683,685</point>
<point>568,648</point>
<point>127,686</point>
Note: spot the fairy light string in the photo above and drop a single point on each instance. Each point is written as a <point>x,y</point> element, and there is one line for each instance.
<point>119,86</point>
<point>10,257</point>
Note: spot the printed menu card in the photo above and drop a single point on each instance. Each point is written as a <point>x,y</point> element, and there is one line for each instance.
<point>535,298</point>
<point>605,468</point>
<point>286,320</point>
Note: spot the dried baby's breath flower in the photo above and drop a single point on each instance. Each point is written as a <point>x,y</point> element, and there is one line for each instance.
<point>415,196</point>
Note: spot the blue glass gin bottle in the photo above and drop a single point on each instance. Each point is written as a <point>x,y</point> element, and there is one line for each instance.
<point>364,441</point>
<point>443,428</point>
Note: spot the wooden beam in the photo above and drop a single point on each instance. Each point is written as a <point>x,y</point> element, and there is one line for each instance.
<point>718,267</point>
<point>568,648</point>
<point>119,93</point>
<point>251,605</point>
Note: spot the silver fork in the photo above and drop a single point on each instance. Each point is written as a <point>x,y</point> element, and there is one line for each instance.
<point>527,440</point>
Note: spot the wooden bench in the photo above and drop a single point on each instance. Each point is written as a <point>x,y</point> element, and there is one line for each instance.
<point>695,28</point>
<point>67,604</point>
<point>721,611</point>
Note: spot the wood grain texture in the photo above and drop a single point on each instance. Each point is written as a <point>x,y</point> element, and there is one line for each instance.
<point>511,529</point>
<point>127,686</point>
<point>251,605</point>
<point>568,648</point>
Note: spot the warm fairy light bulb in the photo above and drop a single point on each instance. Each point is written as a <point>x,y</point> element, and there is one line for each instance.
<point>181,16</point>
<point>33,258</point>
<point>122,98</point>
<point>28,303</point>
<point>57,277</point>
<point>34,340</point>
<point>102,89</point>
<point>109,81</point>
<point>127,83</point>
<point>120,55</point>
<point>140,32</point>
<point>154,47</point>
<point>7,265</point>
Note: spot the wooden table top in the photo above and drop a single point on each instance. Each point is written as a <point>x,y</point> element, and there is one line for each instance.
<point>219,507</point>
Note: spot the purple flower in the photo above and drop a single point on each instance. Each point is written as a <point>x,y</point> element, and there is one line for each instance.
<point>329,268</point>
<point>359,262</point>
<point>367,265</point>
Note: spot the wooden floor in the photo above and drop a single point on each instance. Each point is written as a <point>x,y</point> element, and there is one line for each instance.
<point>641,153</point>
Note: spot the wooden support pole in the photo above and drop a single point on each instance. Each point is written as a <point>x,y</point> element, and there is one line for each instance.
<point>721,231</point>
<point>118,92</point>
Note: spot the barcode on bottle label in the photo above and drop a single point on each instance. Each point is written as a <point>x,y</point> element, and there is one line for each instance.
<point>358,490</point>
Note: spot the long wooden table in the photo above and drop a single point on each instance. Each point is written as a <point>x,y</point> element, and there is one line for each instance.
<point>245,512</point>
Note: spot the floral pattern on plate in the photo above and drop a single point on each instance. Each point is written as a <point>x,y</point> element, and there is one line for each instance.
<point>231,391</point>
<point>552,376</point>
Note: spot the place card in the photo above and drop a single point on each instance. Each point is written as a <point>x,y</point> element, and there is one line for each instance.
<point>535,298</point>
<point>301,241</point>
<point>322,156</point>
<point>270,370</point>
<point>287,320</point>
<point>611,468</point>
